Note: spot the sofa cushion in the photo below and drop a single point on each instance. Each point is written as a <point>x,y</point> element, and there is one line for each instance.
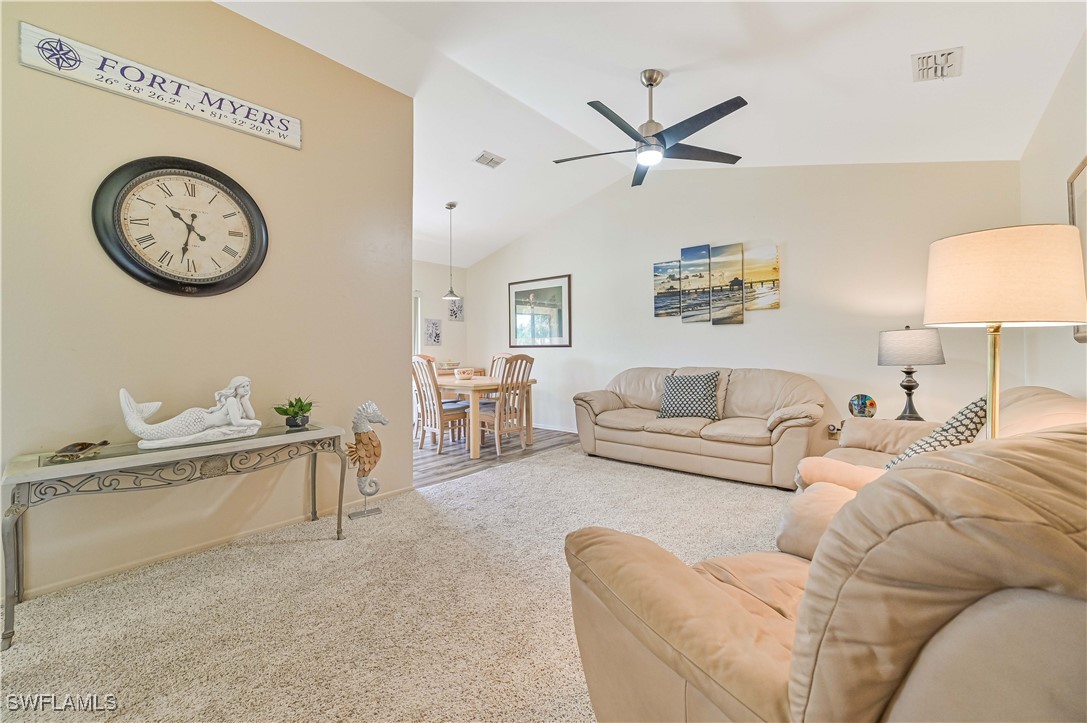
<point>629,418</point>
<point>960,429</point>
<point>890,436</point>
<point>1029,409</point>
<point>646,443</point>
<point>742,430</point>
<point>756,453</point>
<point>640,387</point>
<point>682,426</point>
<point>777,581</point>
<point>690,396</point>
<point>865,457</point>
<point>761,392</point>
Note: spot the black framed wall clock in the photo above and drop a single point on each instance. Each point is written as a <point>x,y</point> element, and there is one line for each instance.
<point>179,226</point>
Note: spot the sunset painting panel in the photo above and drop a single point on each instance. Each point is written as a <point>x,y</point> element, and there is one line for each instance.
<point>762,277</point>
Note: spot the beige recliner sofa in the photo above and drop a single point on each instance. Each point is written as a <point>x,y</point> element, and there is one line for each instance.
<point>767,419</point>
<point>952,589</point>
<point>865,446</point>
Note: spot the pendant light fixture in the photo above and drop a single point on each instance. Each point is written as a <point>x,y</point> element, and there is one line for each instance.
<point>450,295</point>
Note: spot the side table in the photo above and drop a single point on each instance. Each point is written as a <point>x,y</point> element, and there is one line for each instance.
<point>31,480</point>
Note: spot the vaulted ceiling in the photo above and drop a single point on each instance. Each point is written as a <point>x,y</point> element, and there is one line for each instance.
<point>826,83</point>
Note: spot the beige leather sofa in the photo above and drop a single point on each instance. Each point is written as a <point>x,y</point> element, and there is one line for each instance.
<point>767,418</point>
<point>954,588</point>
<point>866,445</point>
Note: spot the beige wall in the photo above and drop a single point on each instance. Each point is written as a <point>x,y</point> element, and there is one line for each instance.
<point>854,243</point>
<point>320,319</point>
<point>430,282</point>
<point>1051,357</point>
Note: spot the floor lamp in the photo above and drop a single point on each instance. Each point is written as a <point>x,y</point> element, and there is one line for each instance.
<point>1015,276</point>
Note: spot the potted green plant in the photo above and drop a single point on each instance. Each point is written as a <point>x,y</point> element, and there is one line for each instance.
<point>296,411</point>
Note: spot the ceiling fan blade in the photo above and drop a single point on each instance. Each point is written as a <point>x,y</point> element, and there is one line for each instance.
<point>639,175</point>
<point>670,136</point>
<point>594,155</point>
<point>694,153</point>
<point>619,122</point>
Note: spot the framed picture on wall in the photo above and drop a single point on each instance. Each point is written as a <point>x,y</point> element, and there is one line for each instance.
<point>540,312</point>
<point>432,332</point>
<point>456,310</point>
<point>1077,216</point>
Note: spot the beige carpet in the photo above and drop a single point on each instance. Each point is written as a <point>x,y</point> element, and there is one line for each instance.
<point>452,606</point>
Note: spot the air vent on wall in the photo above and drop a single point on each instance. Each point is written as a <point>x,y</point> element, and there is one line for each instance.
<point>937,65</point>
<point>490,160</point>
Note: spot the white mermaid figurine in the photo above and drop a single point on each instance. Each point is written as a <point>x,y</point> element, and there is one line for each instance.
<point>232,416</point>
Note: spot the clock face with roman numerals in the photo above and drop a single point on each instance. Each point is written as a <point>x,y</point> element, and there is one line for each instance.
<point>180,226</point>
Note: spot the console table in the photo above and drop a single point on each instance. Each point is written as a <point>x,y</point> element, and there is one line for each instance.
<point>32,480</point>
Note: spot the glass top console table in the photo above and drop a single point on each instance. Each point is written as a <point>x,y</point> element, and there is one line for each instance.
<point>32,479</point>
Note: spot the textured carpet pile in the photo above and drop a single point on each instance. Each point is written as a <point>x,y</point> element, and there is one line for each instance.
<point>453,605</point>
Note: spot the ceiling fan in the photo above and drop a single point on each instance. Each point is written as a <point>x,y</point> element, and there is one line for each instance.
<point>655,142</point>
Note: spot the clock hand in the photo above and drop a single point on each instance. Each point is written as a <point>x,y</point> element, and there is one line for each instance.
<point>178,217</point>
<point>192,227</point>
<point>185,247</point>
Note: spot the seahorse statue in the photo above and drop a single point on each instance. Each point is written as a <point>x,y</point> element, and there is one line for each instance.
<point>232,416</point>
<point>366,451</point>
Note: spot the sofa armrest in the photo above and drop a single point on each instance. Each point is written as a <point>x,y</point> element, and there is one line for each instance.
<point>807,516</point>
<point>687,622</point>
<point>798,415</point>
<point>813,470</point>
<point>598,402</point>
<point>891,436</point>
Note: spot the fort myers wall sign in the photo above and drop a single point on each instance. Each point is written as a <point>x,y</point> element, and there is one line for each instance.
<point>68,58</point>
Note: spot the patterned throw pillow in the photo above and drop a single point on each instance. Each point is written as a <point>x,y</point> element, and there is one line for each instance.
<point>960,429</point>
<point>690,396</point>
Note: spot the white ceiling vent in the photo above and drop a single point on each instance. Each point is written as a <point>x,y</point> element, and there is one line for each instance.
<point>937,65</point>
<point>490,160</point>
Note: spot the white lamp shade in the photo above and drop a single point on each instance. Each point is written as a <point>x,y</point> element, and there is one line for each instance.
<point>910,347</point>
<point>1015,276</point>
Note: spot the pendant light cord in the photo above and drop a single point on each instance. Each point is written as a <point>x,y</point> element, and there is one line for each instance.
<point>450,248</point>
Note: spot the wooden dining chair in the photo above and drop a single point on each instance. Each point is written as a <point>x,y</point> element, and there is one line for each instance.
<point>436,416</point>
<point>417,425</point>
<point>498,363</point>
<point>507,412</point>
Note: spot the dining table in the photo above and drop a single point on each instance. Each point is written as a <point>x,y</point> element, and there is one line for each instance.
<point>475,388</point>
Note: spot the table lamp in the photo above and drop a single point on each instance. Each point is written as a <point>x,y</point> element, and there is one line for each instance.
<point>1015,276</point>
<point>908,348</point>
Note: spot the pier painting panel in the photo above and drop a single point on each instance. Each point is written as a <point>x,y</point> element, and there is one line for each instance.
<point>694,283</point>
<point>727,284</point>
<point>666,288</point>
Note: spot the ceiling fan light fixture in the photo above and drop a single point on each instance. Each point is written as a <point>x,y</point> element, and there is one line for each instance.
<point>650,155</point>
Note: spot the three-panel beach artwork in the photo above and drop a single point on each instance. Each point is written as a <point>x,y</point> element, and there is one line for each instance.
<point>718,283</point>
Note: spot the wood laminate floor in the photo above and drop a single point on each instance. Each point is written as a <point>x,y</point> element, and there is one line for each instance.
<point>429,467</point>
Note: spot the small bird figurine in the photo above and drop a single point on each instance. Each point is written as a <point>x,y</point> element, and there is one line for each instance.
<point>365,453</point>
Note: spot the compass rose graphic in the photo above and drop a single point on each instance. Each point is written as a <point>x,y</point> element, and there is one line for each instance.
<point>59,54</point>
